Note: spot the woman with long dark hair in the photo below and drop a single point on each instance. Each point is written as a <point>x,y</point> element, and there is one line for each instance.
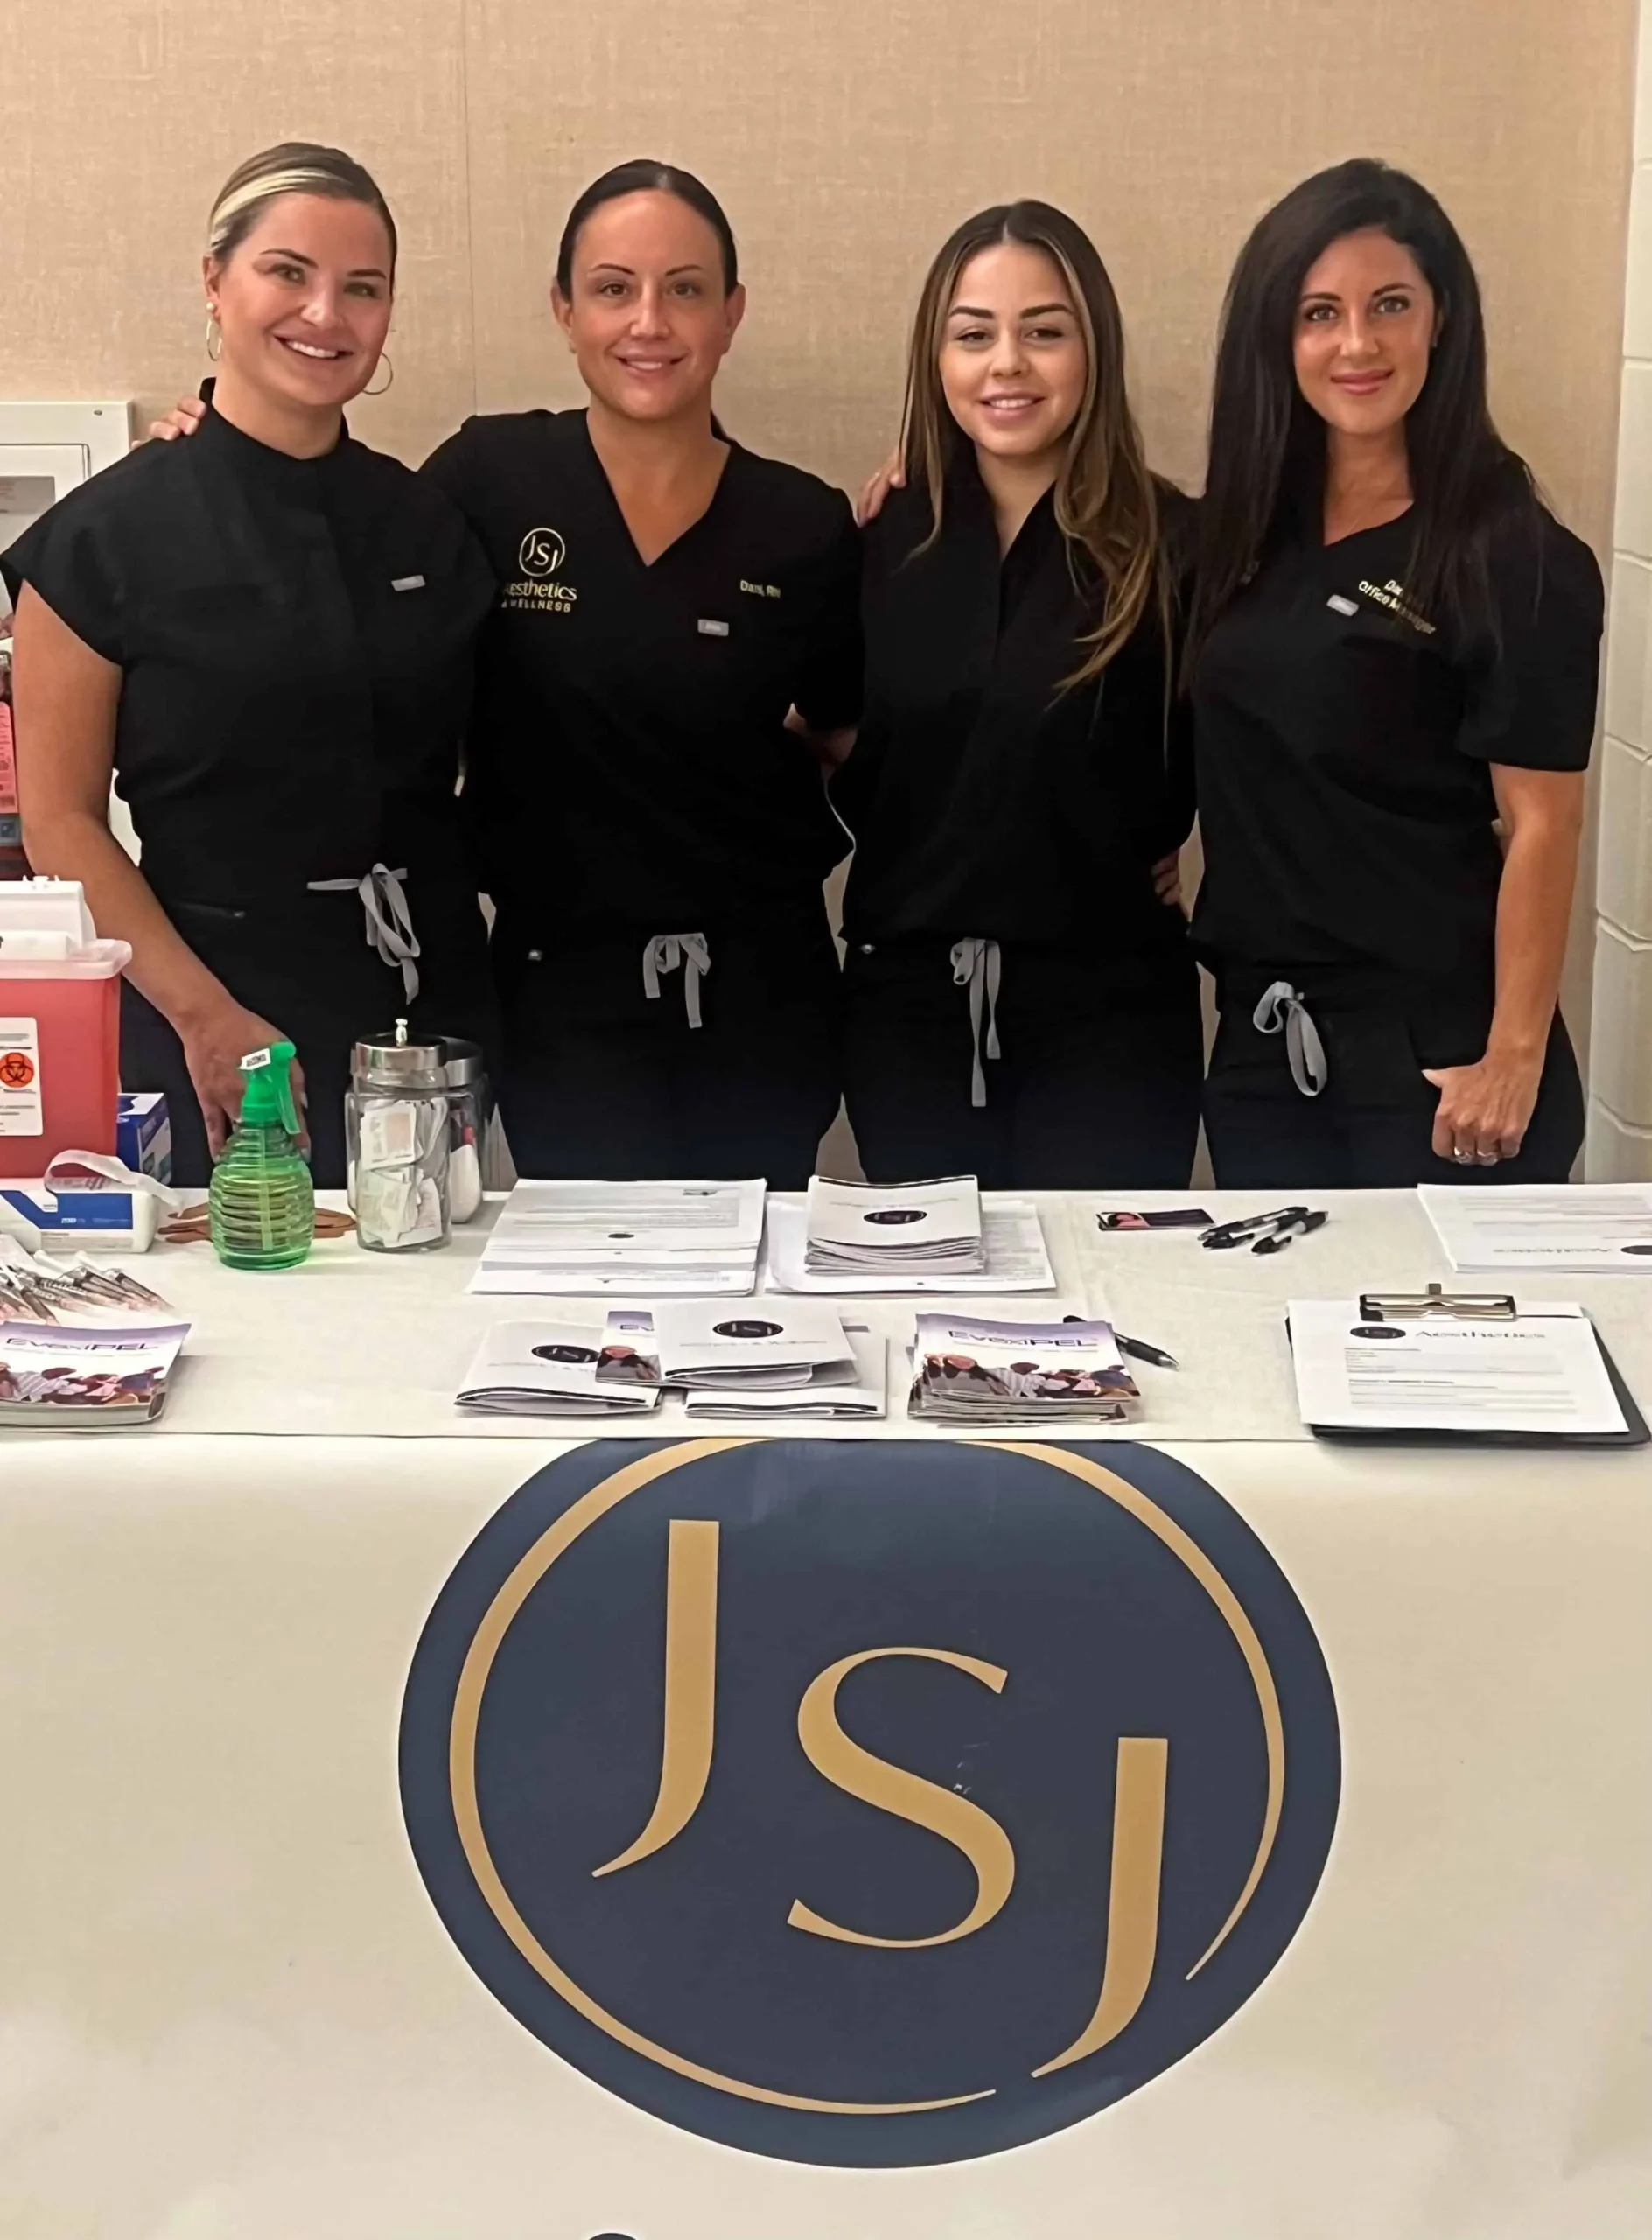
<point>1394,654</point>
<point>1020,1003</point>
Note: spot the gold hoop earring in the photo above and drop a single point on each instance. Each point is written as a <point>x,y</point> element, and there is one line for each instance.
<point>213,329</point>
<point>384,360</point>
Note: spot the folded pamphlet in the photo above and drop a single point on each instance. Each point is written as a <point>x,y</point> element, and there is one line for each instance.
<point>58,1378</point>
<point>1012,1239</point>
<point>547,1368</point>
<point>913,1227</point>
<point>970,1371</point>
<point>780,1344</point>
<point>865,1400</point>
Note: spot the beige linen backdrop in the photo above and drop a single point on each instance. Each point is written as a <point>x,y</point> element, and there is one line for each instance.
<point>845,137</point>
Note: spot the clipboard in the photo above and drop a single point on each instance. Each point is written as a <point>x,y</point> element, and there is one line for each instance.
<point>1482,1306</point>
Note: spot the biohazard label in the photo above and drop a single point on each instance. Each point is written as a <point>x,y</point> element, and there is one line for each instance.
<point>20,1107</point>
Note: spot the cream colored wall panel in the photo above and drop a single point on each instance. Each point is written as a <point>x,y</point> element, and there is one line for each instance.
<point>1625,891</point>
<point>120,120</point>
<point>1633,531</point>
<point>1620,1072</point>
<point>1615,1152</point>
<point>846,140</point>
<point>1637,294</point>
<point>1628,652</point>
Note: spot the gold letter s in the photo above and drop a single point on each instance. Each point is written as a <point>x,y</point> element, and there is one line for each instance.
<point>974,1832</point>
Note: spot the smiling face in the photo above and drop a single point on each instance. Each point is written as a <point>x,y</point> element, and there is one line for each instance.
<point>648,318</point>
<point>1365,330</point>
<point>1013,363</point>
<point>303,301</point>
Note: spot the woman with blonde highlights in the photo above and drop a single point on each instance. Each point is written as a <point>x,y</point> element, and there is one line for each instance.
<point>266,635</point>
<point>1022,1004</point>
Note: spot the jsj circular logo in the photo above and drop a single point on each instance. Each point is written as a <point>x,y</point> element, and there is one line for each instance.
<point>869,1804</point>
<point>542,552</point>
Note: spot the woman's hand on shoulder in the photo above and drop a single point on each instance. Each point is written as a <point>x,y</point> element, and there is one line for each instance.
<point>892,475</point>
<point>215,1045</point>
<point>183,420</point>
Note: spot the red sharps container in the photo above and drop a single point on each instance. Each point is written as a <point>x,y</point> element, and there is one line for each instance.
<point>60,1026</point>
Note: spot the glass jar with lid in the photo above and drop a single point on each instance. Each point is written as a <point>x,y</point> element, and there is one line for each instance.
<point>396,1136</point>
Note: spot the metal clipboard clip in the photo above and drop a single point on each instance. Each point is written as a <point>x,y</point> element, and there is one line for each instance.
<point>1408,1307</point>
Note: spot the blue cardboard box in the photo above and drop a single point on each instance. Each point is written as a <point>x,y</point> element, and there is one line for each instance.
<point>144,1134</point>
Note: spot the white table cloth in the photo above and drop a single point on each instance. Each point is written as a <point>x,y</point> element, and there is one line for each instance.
<point>227,2010</point>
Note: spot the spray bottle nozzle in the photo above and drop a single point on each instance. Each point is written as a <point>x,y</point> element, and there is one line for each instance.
<point>268,1101</point>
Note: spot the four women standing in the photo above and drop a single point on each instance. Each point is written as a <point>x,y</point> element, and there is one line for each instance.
<point>1380,639</point>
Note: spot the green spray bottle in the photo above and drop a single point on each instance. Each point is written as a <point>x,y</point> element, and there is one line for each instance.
<point>263,1206</point>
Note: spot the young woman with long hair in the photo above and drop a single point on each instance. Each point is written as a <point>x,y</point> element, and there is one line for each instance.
<point>1394,655</point>
<point>266,635</point>
<point>674,653</point>
<point>1021,1003</point>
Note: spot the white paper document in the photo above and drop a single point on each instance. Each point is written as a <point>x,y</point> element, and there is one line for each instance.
<point>1017,1259</point>
<point>574,1238</point>
<point>1569,1229</point>
<point>1541,1372</point>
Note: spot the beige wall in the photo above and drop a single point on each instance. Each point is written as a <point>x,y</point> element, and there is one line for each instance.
<point>846,137</point>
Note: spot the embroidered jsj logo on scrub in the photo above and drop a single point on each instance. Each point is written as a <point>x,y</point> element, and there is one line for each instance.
<point>707,628</point>
<point>542,552</point>
<point>540,589</point>
<point>1342,605</point>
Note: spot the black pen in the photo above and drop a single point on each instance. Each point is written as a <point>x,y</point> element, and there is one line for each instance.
<point>1302,1225</point>
<point>1140,1350</point>
<point>1138,1347</point>
<point>1227,1234</point>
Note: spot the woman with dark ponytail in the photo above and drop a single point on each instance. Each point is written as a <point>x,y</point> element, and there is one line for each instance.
<point>1393,658</point>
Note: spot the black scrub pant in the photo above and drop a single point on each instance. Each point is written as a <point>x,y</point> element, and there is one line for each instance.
<point>1371,1126</point>
<point>601,1082</point>
<point>304,965</point>
<point>1096,1087</point>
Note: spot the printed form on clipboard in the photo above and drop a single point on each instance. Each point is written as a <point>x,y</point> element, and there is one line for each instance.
<point>1487,1368</point>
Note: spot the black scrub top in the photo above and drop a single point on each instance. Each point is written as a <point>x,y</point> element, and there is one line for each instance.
<point>1344,746</point>
<point>984,799</point>
<point>629,765</point>
<point>296,639</point>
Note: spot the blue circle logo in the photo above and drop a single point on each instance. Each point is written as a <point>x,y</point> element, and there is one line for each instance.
<point>871,1803</point>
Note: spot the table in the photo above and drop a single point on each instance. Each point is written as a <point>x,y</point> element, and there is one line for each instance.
<point>229,2011</point>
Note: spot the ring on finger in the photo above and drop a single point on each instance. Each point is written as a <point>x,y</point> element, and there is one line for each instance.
<point>1463,1158</point>
<point>1487,1158</point>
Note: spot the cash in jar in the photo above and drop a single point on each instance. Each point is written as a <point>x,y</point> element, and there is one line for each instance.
<point>396,1134</point>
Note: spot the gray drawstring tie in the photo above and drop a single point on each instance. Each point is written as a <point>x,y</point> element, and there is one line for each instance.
<point>1281,1008</point>
<point>976,963</point>
<point>664,954</point>
<point>389,925</point>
